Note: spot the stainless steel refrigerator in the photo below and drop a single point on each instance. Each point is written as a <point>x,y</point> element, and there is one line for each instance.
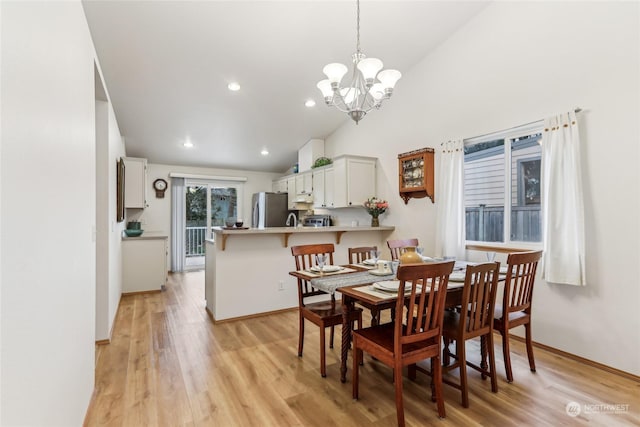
<point>269,210</point>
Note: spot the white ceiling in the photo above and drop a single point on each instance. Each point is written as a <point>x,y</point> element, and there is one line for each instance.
<point>167,64</point>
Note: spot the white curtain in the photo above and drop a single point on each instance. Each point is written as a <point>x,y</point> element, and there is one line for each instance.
<point>178,199</point>
<point>562,203</point>
<point>450,230</point>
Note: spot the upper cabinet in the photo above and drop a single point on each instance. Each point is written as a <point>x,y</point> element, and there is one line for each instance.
<point>135,182</point>
<point>291,191</point>
<point>348,182</point>
<point>415,174</point>
<point>304,183</point>
<point>280,186</point>
<point>323,187</point>
<point>354,180</point>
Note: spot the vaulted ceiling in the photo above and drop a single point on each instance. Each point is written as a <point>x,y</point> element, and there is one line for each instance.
<point>167,64</point>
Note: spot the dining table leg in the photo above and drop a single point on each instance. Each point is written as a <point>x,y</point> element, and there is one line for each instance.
<point>347,306</point>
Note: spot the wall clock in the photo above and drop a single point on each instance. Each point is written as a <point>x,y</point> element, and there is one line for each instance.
<point>160,185</point>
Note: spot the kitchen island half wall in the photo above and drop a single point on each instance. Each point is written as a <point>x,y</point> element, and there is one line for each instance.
<point>250,275</point>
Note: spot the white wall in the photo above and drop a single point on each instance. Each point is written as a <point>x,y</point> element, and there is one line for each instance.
<point>102,220</point>
<point>157,217</point>
<point>110,147</point>
<point>116,150</point>
<point>48,214</point>
<point>512,64</point>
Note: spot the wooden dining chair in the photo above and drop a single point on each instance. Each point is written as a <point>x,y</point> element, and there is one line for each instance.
<point>359,254</point>
<point>396,247</point>
<point>515,309</point>
<point>415,333</point>
<point>479,298</point>
<point>324,314</point>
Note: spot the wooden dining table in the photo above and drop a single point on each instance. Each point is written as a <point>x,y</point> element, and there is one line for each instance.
<point>355,283</point>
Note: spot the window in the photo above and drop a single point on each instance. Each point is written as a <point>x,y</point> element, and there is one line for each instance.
<point>502,183</point>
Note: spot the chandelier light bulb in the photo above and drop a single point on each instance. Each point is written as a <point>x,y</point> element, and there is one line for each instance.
<point>325,88</point>
<point>389,78</point>
<point>369,67</point>
<point>335,72</point>
<point>377,91</point>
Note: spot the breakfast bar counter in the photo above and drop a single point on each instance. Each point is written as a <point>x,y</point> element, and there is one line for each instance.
<point>247,270</point>
<point>223,232</point>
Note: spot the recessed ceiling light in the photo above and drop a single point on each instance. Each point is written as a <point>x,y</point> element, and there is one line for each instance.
<point>234,86</point>
<point>188,144</point>
<point>264,152</point>
<point>310,103</point>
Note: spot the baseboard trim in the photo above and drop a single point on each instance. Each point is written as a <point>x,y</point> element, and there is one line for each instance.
<point>154,291</point>
<point>249,316</point>
<point>580,359</point>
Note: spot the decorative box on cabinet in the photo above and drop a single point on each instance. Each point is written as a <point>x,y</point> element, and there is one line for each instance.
<point>144,263</point>
<point>415,174</point>
<point>135,183</point>
<point>354,180</point>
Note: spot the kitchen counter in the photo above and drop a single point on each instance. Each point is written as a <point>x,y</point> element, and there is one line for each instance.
<point>252,276</point>
<point>286,232</point>
<point>145,236</point>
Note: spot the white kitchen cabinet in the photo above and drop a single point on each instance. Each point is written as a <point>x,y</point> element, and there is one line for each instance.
<point>291,191</point>
<point>144,263</point>
<point>323,187</point>
<point>329,185</point>
<point>304,183</point>
<point>280,186</point>
<point>354,180</point>
<point>135,182</point>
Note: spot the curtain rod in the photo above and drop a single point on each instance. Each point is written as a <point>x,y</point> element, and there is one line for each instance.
<point>575,110</point>
<point>211,177</point>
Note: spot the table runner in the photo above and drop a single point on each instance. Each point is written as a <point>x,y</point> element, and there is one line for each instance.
<point>330,284</point>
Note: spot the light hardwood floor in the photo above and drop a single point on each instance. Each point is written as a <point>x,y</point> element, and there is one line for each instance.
<point>169,365</point>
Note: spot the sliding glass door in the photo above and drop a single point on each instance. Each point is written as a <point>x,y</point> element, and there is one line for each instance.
<point>207,204</point>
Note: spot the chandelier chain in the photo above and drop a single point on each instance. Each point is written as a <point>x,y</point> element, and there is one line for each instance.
<point>358,27</point>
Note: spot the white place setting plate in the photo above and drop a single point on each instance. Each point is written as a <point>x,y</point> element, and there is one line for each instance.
<point>369,261</point>
<point>380,273</point>
<point>457,276</point>
<point>326,269</point>
<point>389,285</point>
<point>392,286</point>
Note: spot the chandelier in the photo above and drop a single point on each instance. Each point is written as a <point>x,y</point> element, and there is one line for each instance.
<point>368,87</point>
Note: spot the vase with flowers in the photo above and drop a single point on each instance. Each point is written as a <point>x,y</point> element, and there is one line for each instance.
<point>375,207</point>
